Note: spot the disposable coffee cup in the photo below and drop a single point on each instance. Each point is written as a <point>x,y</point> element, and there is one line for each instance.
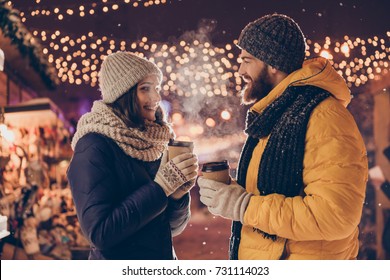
<point>217,171</point>
<point>176,148</point>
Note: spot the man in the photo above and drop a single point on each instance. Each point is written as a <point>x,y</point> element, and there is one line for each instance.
<point>303,169</point>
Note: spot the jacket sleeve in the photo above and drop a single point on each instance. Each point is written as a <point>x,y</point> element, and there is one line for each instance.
<point>335,176</point>
<point>179,214</point>
<point>105,220</point>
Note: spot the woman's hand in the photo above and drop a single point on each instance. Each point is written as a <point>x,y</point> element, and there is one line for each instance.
<point>177,172</point>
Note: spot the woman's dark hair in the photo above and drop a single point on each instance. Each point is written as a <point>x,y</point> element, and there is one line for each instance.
<point>128,110</point>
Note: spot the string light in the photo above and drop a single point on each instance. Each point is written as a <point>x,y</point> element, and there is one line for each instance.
<point>84,9</point>
<point>210,122</point>
<point>213,69</point>
<point>326,54</point>
<point>225,115</point>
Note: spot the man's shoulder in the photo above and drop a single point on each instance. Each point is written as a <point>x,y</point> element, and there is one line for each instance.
<point>331,110</point>
<point>331,118</point>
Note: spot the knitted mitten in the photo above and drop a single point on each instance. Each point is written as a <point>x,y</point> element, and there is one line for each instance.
<point>180,192</point>
<point>170,177</point>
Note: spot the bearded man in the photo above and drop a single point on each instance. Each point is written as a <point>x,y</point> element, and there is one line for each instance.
<point>302,173</point>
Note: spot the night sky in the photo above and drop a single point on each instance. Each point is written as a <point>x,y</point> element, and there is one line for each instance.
<point>317,18</point>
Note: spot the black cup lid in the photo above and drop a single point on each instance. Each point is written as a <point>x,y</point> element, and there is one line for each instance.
<point>179,143</point>
<point>215,166</point>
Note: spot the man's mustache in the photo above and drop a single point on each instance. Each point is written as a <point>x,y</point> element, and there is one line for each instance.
<point>247,78</point>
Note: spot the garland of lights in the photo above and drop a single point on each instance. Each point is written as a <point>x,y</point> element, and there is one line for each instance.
<point>194,66</point>
<point>83,9</point>
<point>211,70</point>
<point>12,28</point>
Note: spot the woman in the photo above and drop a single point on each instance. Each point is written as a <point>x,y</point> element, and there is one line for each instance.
<point>130,200</point>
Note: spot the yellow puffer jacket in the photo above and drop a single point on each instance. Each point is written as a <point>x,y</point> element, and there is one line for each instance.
<point>323,222</point>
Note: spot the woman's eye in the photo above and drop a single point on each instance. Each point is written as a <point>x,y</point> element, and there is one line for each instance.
<point>144,88</point>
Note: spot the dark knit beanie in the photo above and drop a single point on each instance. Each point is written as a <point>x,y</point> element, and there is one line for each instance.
<point>276,40</point>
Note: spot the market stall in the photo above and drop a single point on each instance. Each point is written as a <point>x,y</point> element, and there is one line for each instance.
<point>35,152</point>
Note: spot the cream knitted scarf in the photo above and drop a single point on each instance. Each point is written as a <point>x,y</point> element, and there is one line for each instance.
<point>145,145</point>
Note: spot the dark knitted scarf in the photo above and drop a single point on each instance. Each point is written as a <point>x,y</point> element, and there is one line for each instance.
<point>281,165</point>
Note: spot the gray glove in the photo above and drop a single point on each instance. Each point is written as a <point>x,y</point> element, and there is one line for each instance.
<point>176,172</point>
<point>227,201</point>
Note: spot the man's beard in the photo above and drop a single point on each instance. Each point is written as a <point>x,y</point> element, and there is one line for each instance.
<point>259,88</point>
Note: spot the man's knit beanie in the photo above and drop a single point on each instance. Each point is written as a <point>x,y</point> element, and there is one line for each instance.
<point>121,71</point>
<point>276,40</point>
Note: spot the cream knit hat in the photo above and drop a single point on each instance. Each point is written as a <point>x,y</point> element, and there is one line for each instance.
<point>120,71</point>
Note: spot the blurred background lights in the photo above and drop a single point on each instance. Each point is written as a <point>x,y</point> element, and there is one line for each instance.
<point>345,48</point>
<point>177,119</point>
<point>225,115</point>
<point>325,54</point>
<point>210,122</point>
<point>196,130</point>
<point>191,66</point>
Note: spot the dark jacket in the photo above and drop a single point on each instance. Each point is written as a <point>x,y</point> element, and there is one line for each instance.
<point>123,213</point>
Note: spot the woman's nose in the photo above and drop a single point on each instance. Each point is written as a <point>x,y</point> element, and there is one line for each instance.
<point>156,97</point>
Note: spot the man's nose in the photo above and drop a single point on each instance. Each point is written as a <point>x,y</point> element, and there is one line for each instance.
<point>241,70</point>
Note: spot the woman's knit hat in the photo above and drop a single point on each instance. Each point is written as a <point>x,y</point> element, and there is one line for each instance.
<point>276,40</point>
<point>120,71</point>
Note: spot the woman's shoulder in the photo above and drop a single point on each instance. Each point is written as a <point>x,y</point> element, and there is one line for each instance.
<point>92,141</point>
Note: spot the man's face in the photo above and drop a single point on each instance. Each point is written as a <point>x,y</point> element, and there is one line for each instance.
<point>255,74</point>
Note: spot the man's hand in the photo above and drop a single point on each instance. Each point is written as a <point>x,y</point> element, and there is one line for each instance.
<point>228,201</point>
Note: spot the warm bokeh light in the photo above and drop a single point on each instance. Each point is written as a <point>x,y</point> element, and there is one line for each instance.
<point>196,130</point>
<point>210,122</point>
<point>344,48</point>
<point>211,69</point>
<point>325,54</point>
<point>177,118</point>
<point>225,115</point>
<point>48,11</point>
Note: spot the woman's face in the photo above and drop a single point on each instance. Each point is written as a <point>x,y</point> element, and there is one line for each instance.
<point>148,97</point>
